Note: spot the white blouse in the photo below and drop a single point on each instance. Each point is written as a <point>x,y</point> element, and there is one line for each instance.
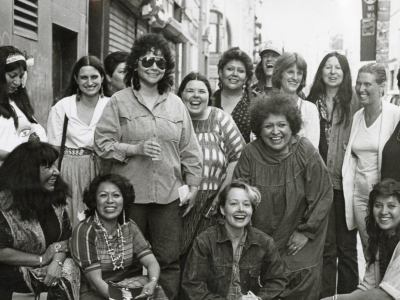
<point>11,137</point>
<point>310,117</point>
<point>79,134</point>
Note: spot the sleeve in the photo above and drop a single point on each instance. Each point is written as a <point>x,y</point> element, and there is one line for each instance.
<point>190,152</point>
<point>66,227</point>
<point>196,273</point>
<point>108,134</point>
<point>369,281</point>
<point>233,140</point>
<point>55,124</point>
<point>312,126</point>
<point>141,247</point>
<point>83,247</point>
<point>319,195</point>
<point>6,238</point>
<point>391,281</point>
<point>242,169</point>
<point>272,277</point>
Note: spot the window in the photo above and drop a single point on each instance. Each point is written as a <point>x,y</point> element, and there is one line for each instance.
<point>26,18</point>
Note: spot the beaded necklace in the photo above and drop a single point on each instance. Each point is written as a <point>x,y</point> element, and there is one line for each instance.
<point>117,260</point>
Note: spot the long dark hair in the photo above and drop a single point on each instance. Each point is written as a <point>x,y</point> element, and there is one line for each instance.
<point>385,188</point>
<point>20,96</point>
<point>140,47</point>
<point>85,61</point>
<point>195,76</point>
<point>20,174</point>
<point>344,94</point>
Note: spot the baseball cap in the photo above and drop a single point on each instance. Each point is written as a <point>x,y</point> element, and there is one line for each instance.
<point>272,46</point>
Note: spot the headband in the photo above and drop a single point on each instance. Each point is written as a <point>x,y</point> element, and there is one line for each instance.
<point>14,57</point>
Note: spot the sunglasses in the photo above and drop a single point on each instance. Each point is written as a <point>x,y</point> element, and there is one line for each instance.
<point>147,62</point>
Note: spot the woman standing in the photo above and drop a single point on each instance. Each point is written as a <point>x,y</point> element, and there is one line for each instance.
<point>34,226</point>
<point>235,70</point>
<point>290,73</point>
<point>371,129</point>
<point>332,93</point>
<point>147,133</point>
<point>115,67</point>
<point>17,123</point>
<point>81,108</point>
<point>296,192</point>
<point>221,142</point>
<point>382,276</point>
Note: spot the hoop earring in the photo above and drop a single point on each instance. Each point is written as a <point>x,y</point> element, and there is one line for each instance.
<point>123,216</point>
<point>101,92</point>
<point>78,94</point>
<point>243,88</point>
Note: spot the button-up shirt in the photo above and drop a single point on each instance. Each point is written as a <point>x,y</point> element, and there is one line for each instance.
<point>208,270</point>
<point>126,121</point>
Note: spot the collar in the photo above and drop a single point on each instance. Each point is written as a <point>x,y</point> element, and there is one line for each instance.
<point>222,236</point>
<point>139,97</point>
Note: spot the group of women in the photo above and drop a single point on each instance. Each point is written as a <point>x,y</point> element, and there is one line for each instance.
<point>275,185</point>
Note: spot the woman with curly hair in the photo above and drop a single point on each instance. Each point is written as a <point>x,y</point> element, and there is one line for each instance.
<point>34,226</point>
<point>109,247</point>
<point>17,123</point>
<point>147,133</point>
<point>332,93</point>
<point>289,76</point>
<point>235,70</point>
<point>74,118</point>
<point>382,276</point>
<point>296,191</point>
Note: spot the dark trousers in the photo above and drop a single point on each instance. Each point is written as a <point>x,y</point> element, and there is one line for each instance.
<point>163,224</point>
<point>340,252</point>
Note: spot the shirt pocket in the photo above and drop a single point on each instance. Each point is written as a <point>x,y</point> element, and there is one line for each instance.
<point>254,277</point>
<point>217,279</point>
<point>133,128</point>
<point>169,127</point>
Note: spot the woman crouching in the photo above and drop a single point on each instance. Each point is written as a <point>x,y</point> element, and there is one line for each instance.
<point>233,260</point>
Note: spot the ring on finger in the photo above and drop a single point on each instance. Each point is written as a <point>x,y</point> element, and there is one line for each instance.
<point>54,283</point>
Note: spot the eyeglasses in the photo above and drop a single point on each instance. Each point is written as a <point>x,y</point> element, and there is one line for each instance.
<point>147,62</point>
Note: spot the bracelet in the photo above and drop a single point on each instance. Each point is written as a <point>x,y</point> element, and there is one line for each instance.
<point>59,262</point>
<point>40,261</point>
<point>154,279</point>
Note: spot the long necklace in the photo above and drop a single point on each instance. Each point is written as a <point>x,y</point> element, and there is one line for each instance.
<point>117,260</point>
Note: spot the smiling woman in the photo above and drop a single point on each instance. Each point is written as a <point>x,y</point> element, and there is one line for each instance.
<point>79,111</point>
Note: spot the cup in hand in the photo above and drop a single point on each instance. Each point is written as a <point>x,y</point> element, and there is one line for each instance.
<point>158,157</point>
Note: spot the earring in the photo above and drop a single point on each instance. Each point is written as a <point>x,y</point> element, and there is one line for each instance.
<point>101,92</point>
<point>78,94</point>
<point>123,216</point>
<point>243,87</point>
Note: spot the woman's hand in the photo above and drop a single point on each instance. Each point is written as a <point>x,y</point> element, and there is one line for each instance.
<point>53,249</point>
<point>148,148</point>
<point>148,290</point>
<point>296,242</point>
<point>34,137</point>
<point>190,199</point>
<point>212,211</point>
<point>53,274</point>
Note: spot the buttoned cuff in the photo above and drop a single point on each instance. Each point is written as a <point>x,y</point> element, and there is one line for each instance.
<point>392,291</point>
<point>120,152</point>
<point>192,180</point>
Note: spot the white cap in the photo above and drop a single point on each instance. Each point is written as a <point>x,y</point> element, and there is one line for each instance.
<point>272,46</point>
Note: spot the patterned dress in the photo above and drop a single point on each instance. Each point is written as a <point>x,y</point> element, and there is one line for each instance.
<point>221,144</point>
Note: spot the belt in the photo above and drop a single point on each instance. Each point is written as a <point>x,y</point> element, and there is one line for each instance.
<point>78,152</point>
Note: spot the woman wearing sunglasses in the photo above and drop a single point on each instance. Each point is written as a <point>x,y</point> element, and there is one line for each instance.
<point>147,133</point>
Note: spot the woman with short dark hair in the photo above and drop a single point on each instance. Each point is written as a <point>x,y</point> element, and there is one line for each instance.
<point>34,226</point>
<point>235,71</point>
<point>147,134</point>
<point>289,76</point>
<point>296,191</point>
<point>115,67</point>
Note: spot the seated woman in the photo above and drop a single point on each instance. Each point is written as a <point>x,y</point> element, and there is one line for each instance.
<point>382,276</point>
<point>34,226</point>
<point>234,260</point>
<point>108,248</point>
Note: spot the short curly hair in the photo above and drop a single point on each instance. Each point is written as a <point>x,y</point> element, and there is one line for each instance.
<point>236,54</point>
<point>286,61</point>
<point>90,193</point>
<point>140,47</point>
<point>275,103</point>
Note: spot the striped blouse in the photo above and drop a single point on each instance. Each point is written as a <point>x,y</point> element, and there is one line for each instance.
<point>221,143</point>
<point>89,250</point>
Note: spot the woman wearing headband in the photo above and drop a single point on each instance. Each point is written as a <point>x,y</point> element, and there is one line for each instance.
<point>147,133</point>
<point>17,123</point>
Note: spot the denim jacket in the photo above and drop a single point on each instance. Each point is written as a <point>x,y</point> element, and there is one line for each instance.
<point>208,268</point>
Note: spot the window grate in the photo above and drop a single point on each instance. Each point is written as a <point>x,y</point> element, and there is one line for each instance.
<point>26,18</point>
